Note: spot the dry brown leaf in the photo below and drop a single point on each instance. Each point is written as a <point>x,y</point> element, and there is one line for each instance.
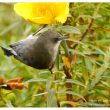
<point>67,62</point>
<point>14,83</point>
<point>1,80</point>
<point>18,80</point>
<point>12,86</point>
<point>70,43</point>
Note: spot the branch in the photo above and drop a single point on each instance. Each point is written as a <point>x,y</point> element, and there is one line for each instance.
<point>90,24</point>
<point>68,85</point>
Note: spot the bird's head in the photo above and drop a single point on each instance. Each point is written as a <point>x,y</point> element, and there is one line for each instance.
<point>52,37</point>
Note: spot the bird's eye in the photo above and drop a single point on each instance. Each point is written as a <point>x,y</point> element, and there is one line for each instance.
<point>56,39</point>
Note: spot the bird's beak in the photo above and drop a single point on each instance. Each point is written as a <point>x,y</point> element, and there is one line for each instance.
<point>63,37</point>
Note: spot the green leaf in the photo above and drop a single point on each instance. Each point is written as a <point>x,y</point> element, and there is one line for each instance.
<point>37,80</point>
<point>69,81</point>
<point>41,94</point>
<point>57,61</point>
<point>99,51</point>
<point>88,64</point>
<point>92,104</point>
<point>51,100</point>
<point>44,74</point>
<point>76,41</point>
<point>75,82</point>
<point>102,93</point>
<point>65,91</point>
<point>105,84</point>
<point>65,47</point>
<point>106,76</point>
<point>70,29</point>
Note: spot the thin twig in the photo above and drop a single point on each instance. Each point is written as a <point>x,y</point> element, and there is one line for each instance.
<point>90,24</point>
<point>39,29</point>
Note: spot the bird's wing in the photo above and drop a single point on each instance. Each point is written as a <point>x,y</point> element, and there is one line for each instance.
<point>17,46</point>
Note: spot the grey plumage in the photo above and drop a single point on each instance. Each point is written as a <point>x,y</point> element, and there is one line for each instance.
<point>36,51</point>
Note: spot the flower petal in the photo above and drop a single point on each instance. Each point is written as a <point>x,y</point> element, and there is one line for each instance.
<point>43,13</point>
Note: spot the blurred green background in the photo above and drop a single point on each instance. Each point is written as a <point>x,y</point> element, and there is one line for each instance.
<point>91,78</point>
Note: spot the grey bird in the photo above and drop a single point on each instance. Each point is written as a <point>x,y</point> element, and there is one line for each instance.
<point>38,51</point>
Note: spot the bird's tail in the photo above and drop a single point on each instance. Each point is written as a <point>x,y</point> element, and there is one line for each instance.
<point>7,52</point>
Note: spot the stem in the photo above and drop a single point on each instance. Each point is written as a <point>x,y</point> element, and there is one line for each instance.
<point>67,72</point>
<point>69,97</point>
<point>39,29</point>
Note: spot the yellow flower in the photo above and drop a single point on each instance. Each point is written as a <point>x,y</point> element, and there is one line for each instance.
<point>43,13</point>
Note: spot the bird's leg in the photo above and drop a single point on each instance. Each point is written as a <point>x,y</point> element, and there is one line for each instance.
<point>51,71</point>
<point>51,67</point>
<point>39,29</point>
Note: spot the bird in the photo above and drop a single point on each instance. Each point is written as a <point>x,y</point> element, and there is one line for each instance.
<point>37,51</point>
